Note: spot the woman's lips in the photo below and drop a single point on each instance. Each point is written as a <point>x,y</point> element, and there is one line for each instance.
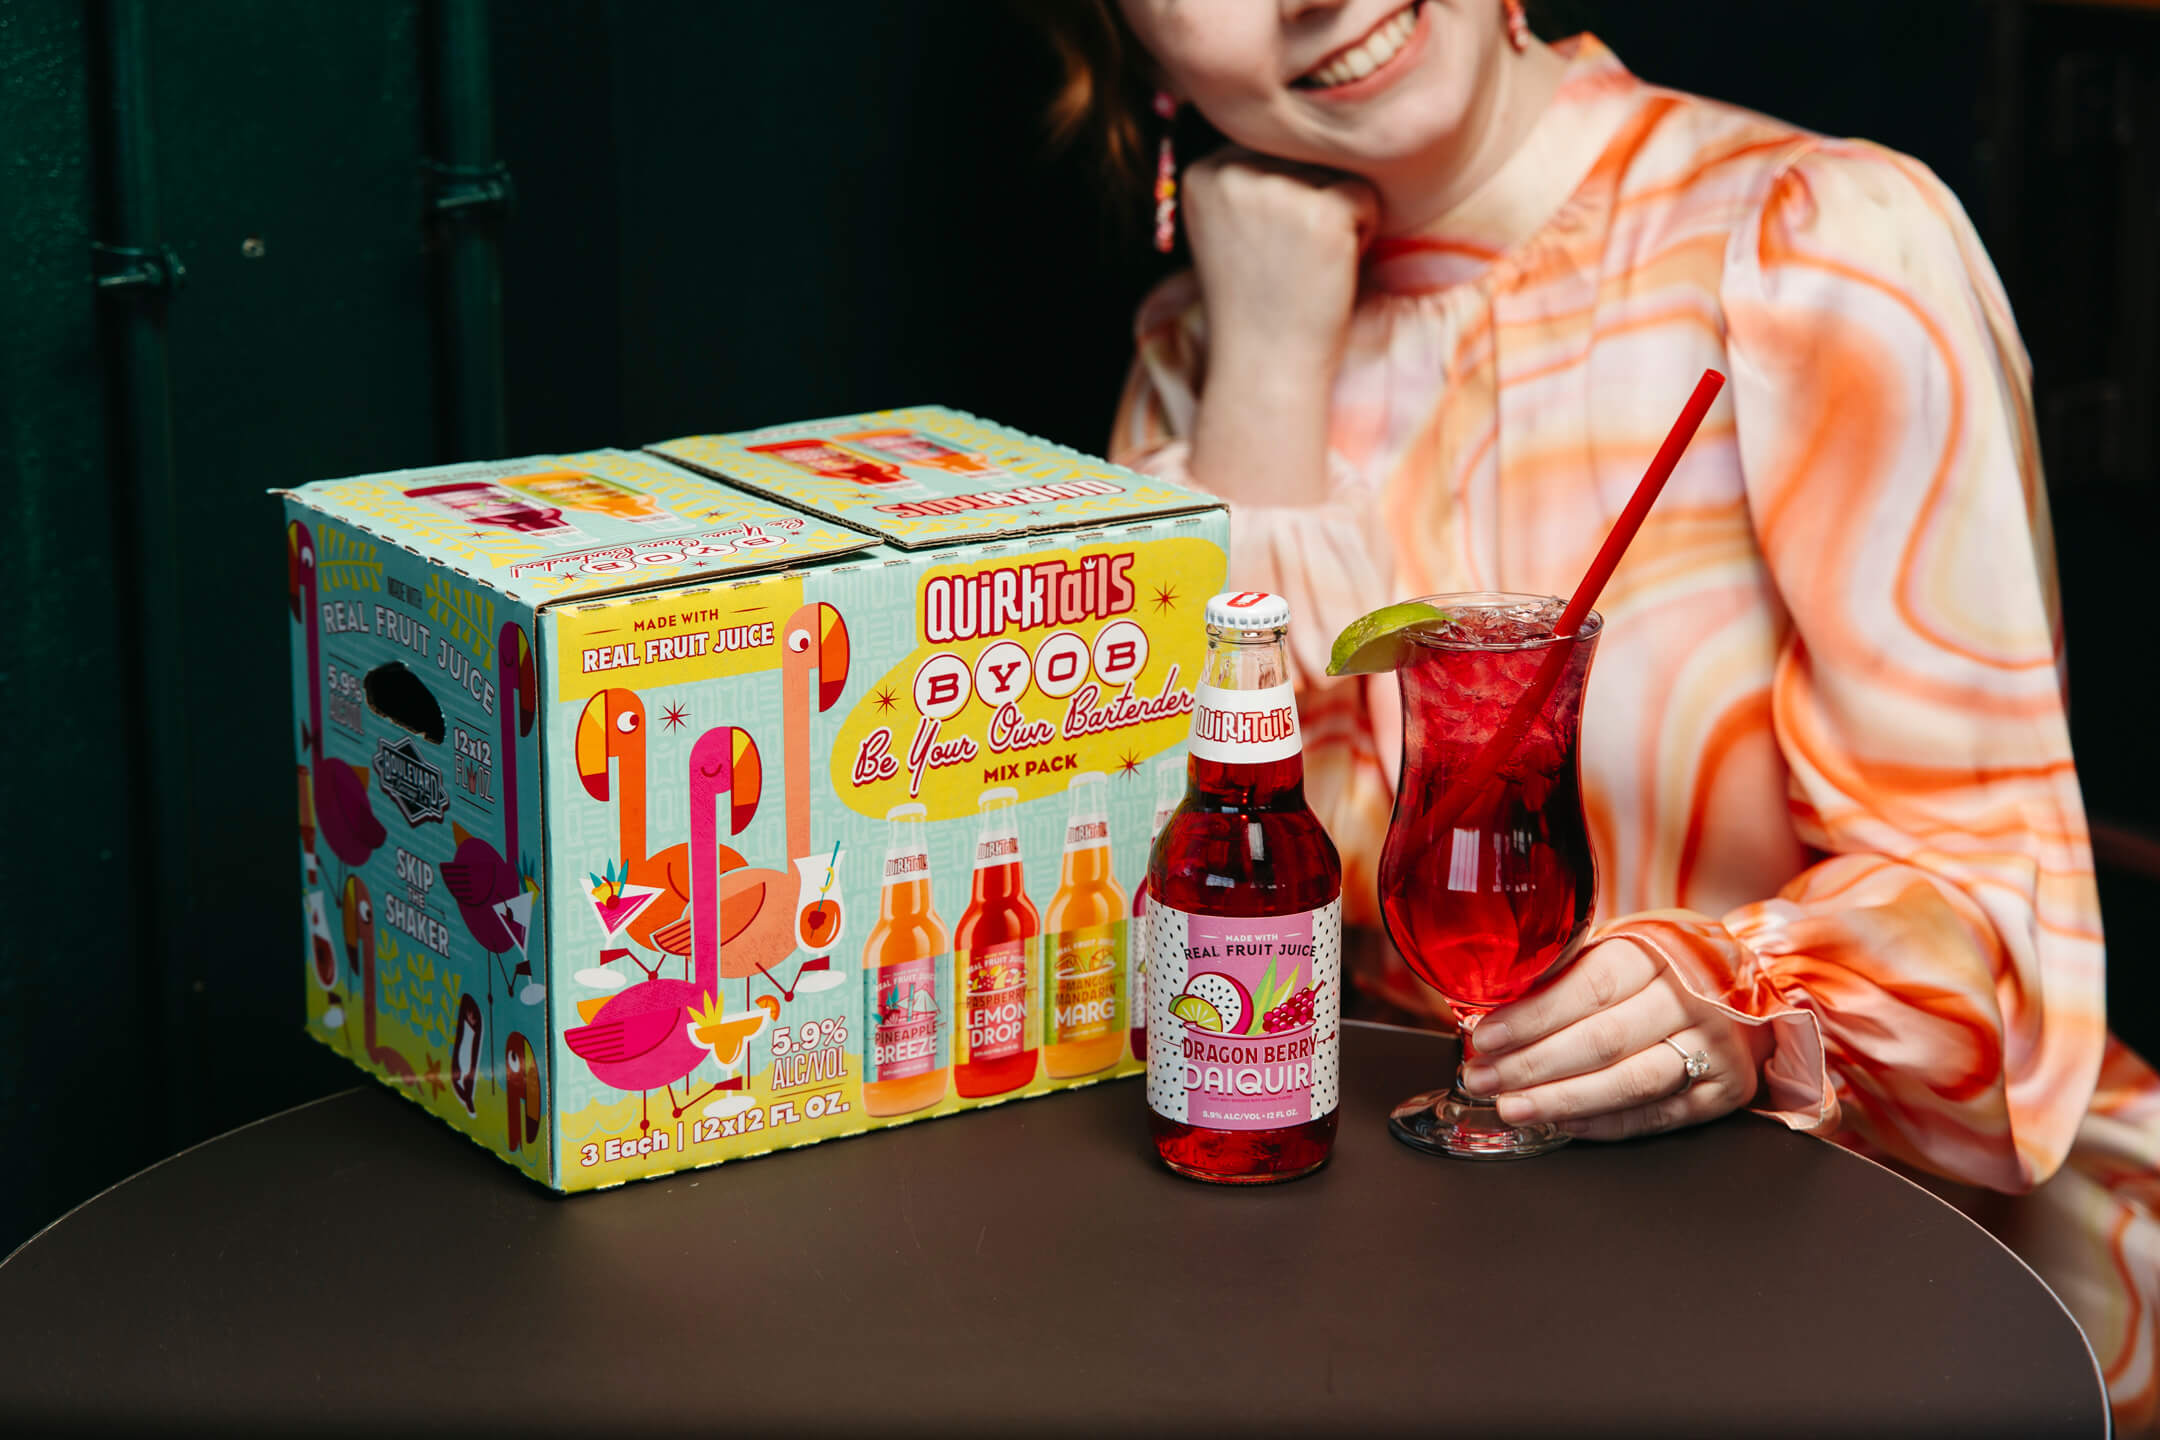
<point>1382,45</point>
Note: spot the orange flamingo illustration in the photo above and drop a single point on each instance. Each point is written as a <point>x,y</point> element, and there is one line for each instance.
<point>640,1038</point>
<point>815,652</point>
<point>482,882</point>
<point>340,787</point>
<point>612,728</point>
<point>360,952</point>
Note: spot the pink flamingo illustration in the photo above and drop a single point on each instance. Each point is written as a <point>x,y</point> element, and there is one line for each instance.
<point>481,881</point>
<point>612,728</point>
<point>360,951</point>
<point>639,1038</point>
<point>340,787</point>
<point>815,641</point>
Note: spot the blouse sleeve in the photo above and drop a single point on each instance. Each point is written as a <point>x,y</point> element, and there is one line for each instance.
<point>1934,982</point>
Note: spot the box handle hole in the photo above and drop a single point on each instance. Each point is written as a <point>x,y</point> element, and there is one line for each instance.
<point>396,694</point>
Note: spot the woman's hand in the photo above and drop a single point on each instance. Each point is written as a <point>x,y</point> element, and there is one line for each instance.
<point>1588,1051</point>
<point>1275,248</point>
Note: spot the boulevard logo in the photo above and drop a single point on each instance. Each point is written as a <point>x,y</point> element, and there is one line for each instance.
<point>415,786</point>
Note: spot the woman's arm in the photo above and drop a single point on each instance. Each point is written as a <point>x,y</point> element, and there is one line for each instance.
<point>1275,248</point>
<point>1935,985</point>
<point>1234,398</point>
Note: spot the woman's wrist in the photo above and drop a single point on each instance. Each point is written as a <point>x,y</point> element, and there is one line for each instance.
<point>1261,434</point>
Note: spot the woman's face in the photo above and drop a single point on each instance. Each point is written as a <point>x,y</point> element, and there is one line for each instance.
<point>1356,85</point>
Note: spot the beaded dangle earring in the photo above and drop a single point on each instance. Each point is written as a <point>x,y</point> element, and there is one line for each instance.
<point>1518,24</point>
<point>1166,107</point>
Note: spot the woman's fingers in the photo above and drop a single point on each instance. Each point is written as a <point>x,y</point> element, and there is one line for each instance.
<point>1640,1079</point>
<point>1601,977</point>
<point>1596,1042</point>
<point>1647,1091</point>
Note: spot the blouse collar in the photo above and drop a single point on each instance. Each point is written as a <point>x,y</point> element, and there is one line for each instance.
<point>1595,97</point>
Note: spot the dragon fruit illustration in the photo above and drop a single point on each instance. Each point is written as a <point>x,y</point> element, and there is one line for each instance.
<point>1213,1001</point>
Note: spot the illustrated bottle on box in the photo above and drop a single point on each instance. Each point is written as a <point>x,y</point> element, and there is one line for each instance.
<point>1169,789</point>
<point>995,947</point>
<point>829,461</point>
<point>479,502</point>
<point>915,448</point>
<point>576,490</point>
<point>1245,978</point>
<point>1085,947</point>
<point>907,966</point>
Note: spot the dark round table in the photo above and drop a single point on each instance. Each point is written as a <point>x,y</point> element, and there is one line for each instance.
<point>352,1265</point>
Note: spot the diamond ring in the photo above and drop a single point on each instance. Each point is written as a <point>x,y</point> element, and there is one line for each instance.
<point>1696,1061</point>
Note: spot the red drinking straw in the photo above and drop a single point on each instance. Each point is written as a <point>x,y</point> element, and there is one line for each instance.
<point>1622,534</point>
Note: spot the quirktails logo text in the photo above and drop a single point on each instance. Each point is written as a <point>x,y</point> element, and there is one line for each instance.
<point>1025,597</point>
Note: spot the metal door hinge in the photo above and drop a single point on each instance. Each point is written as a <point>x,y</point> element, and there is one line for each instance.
<point>135,269</point>
<point>460,192</point>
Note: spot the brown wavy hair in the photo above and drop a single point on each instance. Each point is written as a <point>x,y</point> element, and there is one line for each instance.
<point>1103,102</point>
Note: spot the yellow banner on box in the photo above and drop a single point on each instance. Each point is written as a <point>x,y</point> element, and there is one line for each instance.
<point>1030,667</point>
<point>672,637</point>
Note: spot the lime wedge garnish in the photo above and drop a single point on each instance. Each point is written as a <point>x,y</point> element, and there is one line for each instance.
<point>1195,1011</point>
<point>1374,643</point>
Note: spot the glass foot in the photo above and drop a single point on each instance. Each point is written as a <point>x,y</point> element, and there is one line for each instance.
<point>1447,1122</point>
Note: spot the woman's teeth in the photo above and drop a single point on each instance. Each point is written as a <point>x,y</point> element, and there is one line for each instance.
<point>1360,60</point>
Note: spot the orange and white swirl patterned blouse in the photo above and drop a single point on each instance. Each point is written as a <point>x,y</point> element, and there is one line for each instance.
<point>1824,752</point>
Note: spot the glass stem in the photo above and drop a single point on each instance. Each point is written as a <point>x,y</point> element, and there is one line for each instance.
<point>1462,1087</point>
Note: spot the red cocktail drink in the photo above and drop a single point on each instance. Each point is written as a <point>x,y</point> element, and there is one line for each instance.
<point>1487,880</point>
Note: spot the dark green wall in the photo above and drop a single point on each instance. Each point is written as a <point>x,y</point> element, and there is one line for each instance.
<point>726,214</point>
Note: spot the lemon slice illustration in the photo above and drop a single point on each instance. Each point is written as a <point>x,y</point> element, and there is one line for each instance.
<point>1195,1011</point>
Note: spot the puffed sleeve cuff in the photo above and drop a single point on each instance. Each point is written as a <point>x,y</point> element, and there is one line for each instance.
<point>1318,557</point>
<point>1719,969</point>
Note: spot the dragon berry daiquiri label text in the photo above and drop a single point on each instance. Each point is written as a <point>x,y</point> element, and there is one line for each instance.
<point>1245,1029</point>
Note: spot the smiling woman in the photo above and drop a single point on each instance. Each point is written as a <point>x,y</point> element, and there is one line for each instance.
<point>1467,95</point>
<point>1447,284</point>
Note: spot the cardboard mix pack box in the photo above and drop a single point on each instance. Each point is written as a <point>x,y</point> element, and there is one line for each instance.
<point>663,809</point>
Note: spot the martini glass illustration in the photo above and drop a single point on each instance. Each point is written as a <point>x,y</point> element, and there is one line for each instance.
<point>616,902</point>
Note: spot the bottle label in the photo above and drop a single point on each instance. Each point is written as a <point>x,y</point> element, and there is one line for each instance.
<point>1087,975</point>
<point>1245,727</point>
<point>1244,1017</point>
<point>1090,832</point>
<point>997,1000</point>
<point>907,1029</point>
<point>994,850</point>
<point>906,865</point>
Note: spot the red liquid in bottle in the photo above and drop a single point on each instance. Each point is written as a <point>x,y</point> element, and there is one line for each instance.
<point>997,946</point>
<point>1243,842</point>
